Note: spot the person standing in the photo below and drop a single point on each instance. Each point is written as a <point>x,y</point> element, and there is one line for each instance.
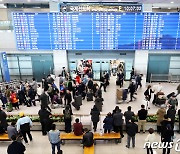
<point>178,89</point>
<point>179,119</point>
<point>171,113</point>
<point>132,129</point>
<point>160,116</point>
<point>142,115</point>
<point>23,126</point>
<point>67,118</point>
<point>3,120</point>
<point>173,101</point>
<point>16,147</point>
<point>95,117</point>
<point>64,73</point>
<point>34,84</point>
<point>118,122</point>
<point>68,98</point>
<point>44,98</point>
<point>167,138</point>
<point>45,120</point>
<point>150,138</point>
<point>88,138</point>
<point>108,123</point>
<point>77,128</point>
<point>120,78</point>
<point>128,114</point>
<point>14,100</point>
<point>54,138</point>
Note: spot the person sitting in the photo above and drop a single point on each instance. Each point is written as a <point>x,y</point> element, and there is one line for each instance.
<point>77,128</point>
<point>88,140</point>
<point>11,130</point>
<point>108,123</point>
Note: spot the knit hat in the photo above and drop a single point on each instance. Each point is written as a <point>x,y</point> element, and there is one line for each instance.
<point>21,114</point>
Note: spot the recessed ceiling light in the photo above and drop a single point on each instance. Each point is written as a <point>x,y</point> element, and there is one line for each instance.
<point>169,8</point>
<point>172,2</point>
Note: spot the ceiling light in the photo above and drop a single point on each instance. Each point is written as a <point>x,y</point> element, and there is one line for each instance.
<point>169,8</point>
<point>172,2</point>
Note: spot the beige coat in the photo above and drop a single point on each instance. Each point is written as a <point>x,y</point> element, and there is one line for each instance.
<point>160,115</point>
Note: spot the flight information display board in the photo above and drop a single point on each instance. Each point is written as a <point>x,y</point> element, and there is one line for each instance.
<point>97,31</point>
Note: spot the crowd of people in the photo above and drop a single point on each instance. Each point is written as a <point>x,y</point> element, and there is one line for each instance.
<point>82,85</point>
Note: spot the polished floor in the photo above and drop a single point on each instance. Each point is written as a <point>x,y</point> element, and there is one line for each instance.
<point>41,145</point>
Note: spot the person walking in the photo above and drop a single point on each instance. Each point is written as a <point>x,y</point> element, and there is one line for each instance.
<point>132,129</point>
<point>150,138</point>
<point>95,117</point>
<point>14,100</point>
<point>23,126</point>
<point>67,118</point>
<point>142,115</point>
<point>54,138</point>
<point>160,116</point>
<point>132,89</point>
<point>45,120</point>
<point>16,147</point>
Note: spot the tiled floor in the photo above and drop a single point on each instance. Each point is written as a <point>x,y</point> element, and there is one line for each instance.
<point>41,145</point>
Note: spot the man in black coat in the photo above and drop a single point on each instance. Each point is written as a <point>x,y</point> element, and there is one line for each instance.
<point>132,129</point>
<point>44,98</point>
<point>45,120</point>
<point>88,140</point>
<point>142,114</point>
<point>16,147</point>
<point>68,98</point>
<point>3,119</point>
<point>132,89</point>
<point>171,113</point>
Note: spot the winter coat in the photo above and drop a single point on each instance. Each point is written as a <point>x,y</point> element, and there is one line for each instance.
<point>160,116</point>
<point>95,115</point>
<point>117,119</point>
<point>108,123</point>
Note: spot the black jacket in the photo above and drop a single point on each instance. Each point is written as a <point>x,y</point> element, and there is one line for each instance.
<point>3,116</point>
<point>142,114</point>
<point>95,115</point>
<point>44,115</point>
<point>132,129</point>
<point>16,148</point>
<point>44,100</point>
<point>88,139</point>
<point>171,113</point>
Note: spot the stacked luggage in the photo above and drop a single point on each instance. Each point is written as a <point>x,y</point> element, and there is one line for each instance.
<point>121,95</point>
<point>77,102</point>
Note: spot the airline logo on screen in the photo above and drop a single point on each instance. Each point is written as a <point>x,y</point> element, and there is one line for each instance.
<point>101,8</point>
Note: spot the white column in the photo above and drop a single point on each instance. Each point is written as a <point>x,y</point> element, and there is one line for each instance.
<point>147,7</point>
<point>54,6</point>
<point>141,62</point>
<point>60,60</point>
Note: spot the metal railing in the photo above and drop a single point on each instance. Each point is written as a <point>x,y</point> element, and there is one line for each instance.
<point>164,78</point>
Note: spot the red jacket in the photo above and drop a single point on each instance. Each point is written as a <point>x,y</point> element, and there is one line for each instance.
<point>78,129</point>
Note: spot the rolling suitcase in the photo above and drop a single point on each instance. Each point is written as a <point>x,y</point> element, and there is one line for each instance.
<point>89,96</point>
<point>78,100</point>
<point>60,152</point>
<point>77,107</point>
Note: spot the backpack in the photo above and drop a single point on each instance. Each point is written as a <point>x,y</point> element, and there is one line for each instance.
<point>67,114</point>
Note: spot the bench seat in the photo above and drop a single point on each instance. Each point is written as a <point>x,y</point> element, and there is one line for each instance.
<point>4,137</point>
<point>89,150</point>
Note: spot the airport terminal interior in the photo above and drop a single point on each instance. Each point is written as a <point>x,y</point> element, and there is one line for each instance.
<point>86,53</point>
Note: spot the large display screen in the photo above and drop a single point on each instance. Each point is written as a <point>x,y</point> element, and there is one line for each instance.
<point>97,31</point>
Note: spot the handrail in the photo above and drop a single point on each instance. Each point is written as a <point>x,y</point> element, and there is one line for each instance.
<point>165,77</point>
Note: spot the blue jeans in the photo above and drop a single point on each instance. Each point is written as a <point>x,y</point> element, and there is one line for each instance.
<point>53,147</point>
<point>129,139</point>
